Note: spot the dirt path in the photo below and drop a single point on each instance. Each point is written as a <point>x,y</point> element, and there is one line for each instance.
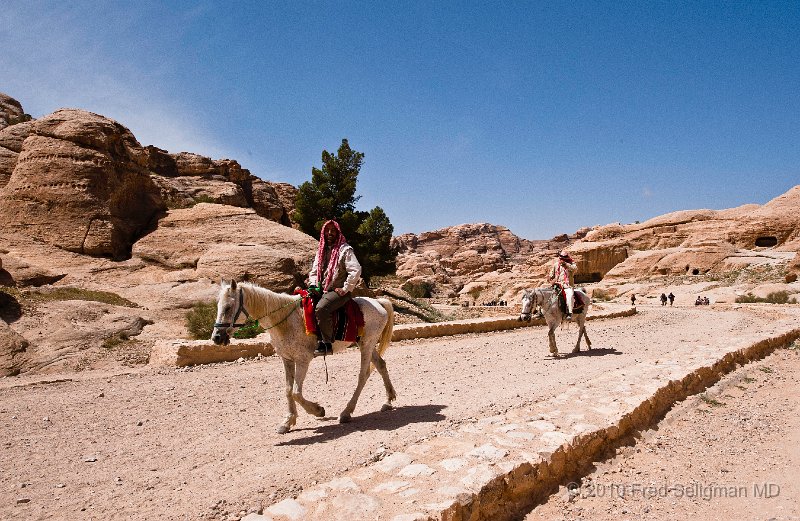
<point>729,453</point>
<point>201,443</point>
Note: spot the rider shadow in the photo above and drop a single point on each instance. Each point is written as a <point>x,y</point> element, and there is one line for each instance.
<point>595,351</point>
<point>373,421</point>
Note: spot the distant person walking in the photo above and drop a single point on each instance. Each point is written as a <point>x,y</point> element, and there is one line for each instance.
<point>633,300</point>
<point>663,299</point>
<point>671,298</point>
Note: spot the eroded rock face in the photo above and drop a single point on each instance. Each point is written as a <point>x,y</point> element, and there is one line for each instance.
<point>185,191</point>
<point>451,257</point>
<point>10,111</point>
<point>81,183</point>
<point>13,131</point>
<point>12,351</point>
<point>220,241</point>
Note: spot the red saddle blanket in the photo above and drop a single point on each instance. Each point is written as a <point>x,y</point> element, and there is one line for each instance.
<point>577,305</point>
<point>348,321</point>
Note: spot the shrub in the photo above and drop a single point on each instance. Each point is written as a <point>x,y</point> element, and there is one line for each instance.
<point>748,299</point>
<point>776,297</point>
<point>250,329</point>
<point>200,323</point>
<point>200,320</point>
<point>780,297</point>
<point>600,294</point>
<point>423,289</point>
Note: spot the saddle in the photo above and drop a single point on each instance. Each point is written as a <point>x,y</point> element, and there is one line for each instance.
<point>348,320</point>
<point>577,306</point>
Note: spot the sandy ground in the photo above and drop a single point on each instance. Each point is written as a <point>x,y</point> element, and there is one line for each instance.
<point>729,453</point>
<point>201,443</point>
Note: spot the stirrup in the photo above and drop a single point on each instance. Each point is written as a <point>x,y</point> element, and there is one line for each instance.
<point>323,348</point>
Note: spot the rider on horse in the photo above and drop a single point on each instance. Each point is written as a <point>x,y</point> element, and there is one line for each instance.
<point>561,276</point>
<point>335,273</point>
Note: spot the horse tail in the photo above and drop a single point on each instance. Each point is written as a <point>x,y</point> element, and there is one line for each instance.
<point>386,334</point>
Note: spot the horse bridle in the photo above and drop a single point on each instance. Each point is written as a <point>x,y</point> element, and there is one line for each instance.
<point>538,296</point>
<point>239,310</point>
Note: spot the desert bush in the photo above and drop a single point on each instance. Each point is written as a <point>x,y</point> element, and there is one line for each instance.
<point>200,323</point>
<point>200,320</point>
<point>776,297</point>
<point>748,299</point>
<point>114,340</point>
<point>70,293</point>
<point>250,329</point>
<point>601,295</point>
<point>423,289</point>
<point>780,297</point>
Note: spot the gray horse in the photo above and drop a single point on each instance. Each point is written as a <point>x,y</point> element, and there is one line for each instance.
<point>282,315</point>
<point>547,299</point>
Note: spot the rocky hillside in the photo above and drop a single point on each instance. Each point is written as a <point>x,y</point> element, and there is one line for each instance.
<point>479,262</point>
<point>137,234</point>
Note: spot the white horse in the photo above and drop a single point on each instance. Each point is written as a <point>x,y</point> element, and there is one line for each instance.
<point>282,315</point>
<point>547,299</point>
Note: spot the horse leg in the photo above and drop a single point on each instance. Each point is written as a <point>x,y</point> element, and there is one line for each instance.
<point>581,331</point>
<point>291,418</point>
<point>552,337</point>
<point>312,408</point>
<point>586,336</point>
<point>380,365</point>
<point>363,374</point>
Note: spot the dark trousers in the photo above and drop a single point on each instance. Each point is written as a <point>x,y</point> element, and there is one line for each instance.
<point>330,302</point>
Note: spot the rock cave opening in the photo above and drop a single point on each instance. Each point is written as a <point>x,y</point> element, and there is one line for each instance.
<point>766,241</point>
<point>586,278</point>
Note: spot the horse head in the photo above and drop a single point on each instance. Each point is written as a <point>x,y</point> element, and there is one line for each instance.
<point>528,299</point>
<point>230,305</point>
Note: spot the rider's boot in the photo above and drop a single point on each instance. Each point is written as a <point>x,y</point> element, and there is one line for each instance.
<point>323,348</point>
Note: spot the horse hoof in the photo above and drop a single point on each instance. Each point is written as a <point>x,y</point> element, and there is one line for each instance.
<point>321,412</point>
<point>344,418</point>
<point>576,350</point>
<point>387,407</point>
<point>283,429</point>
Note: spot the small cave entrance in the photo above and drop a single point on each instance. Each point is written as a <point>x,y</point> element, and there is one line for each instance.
<point>696,271</point>
<point>586,278</point>
<point>767,241</point>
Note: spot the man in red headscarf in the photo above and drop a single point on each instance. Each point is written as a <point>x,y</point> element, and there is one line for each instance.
<point>336,272</point>
<point>561,275</point>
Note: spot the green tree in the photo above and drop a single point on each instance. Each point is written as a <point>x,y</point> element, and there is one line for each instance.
<point>374,237</point>
<point>331,194</point>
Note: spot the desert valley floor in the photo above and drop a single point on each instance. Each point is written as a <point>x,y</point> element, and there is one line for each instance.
<point>201,443</point>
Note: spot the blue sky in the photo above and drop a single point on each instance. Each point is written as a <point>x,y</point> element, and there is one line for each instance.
<point>540,116</point>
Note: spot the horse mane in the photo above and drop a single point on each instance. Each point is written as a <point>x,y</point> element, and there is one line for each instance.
<point>261,301</point>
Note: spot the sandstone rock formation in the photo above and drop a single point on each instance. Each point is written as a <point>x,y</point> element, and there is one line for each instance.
<point>83,206</point>
<point>14,128</point>
<point>10,111</point>
<point>451,257</point>
<point>12,351</point>
<point>224,241</point>
<point>482,262</point>
<point>80,183</point>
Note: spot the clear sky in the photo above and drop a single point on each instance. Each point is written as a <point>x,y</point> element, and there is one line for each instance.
<point>540,116</point>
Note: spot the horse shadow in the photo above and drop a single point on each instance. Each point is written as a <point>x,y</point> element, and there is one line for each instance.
<point>373,421</point>
<point>596,351</point>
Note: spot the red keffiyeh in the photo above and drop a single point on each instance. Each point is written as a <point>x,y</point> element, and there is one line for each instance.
<point>333,261</point>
